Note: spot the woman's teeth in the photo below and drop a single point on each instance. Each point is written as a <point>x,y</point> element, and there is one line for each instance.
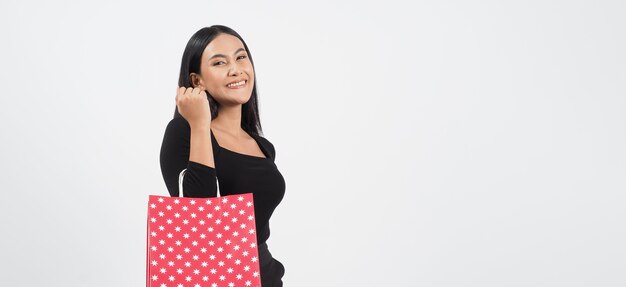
<point>238,84</point>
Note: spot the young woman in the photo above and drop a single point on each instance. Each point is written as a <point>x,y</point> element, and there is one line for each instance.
<point>216,134</point>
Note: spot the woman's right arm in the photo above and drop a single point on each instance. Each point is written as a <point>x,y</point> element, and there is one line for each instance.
<point>188,146</point>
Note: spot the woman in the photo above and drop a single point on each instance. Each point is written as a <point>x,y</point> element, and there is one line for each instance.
<point>215,134</point>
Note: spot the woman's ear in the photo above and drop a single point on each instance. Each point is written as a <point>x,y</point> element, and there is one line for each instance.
<point>196,81</point>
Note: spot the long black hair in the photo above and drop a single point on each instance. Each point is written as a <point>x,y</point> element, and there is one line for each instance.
<point>192,58</point>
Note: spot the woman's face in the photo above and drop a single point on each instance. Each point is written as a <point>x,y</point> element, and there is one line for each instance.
<point>225,61</point>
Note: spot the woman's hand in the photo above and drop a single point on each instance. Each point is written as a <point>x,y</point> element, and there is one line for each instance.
<point>193,105</point>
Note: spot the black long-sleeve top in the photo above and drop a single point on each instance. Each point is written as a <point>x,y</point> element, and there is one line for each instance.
<point>236,172</point>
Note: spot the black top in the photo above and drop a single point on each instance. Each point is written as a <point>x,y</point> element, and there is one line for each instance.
<point>236,172</point>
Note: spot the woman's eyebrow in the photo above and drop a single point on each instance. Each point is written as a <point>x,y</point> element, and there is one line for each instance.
<point>224,56</point>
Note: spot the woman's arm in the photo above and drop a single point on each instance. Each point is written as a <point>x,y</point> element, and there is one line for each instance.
<point>188,147</point>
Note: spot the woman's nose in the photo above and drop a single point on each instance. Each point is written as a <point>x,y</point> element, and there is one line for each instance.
<point>235,71</point>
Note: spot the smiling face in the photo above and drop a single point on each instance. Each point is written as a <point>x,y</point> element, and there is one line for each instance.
<point>225,61</point>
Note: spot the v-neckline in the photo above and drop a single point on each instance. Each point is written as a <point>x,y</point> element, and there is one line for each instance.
<point>243,154</point>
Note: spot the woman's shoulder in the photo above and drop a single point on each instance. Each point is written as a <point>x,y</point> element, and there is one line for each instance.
<point>267,144</point>
<point>178,127</point>
<point>178,122</point>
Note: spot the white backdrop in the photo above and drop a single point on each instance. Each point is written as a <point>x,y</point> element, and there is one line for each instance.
<point>423,143</point>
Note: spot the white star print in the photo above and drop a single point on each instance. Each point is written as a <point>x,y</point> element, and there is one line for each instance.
<point>189,253</point>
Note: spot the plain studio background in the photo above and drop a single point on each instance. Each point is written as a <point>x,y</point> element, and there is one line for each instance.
<point>433,143</point>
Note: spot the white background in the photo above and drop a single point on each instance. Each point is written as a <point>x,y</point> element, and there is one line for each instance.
<point>423,143</point>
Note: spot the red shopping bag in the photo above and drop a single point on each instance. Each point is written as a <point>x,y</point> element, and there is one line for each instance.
<point>198,242</point>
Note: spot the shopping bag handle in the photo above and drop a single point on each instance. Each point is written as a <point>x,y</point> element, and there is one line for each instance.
<point>180,183</point>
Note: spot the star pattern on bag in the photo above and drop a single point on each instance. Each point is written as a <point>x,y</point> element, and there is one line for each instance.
<point>196,242</point>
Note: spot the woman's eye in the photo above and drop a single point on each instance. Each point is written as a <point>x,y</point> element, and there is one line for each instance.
<point>216,63</point>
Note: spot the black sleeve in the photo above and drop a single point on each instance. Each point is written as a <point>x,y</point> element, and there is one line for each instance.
<point>199,180</point>
<point>269,146</point>
<point>272,150</point>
